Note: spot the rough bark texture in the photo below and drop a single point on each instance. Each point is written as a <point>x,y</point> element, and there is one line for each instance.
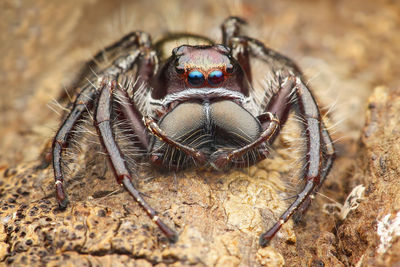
<point>347,49</point>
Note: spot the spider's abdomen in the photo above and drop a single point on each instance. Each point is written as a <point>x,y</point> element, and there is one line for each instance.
<point>208,127</point>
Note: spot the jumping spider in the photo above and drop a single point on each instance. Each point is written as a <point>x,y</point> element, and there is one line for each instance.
<point>197,108</point>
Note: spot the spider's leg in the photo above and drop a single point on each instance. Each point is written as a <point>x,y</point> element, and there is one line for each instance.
<point>120,64</point>
<point>155,129</point>
<point>231,28</point>
<point>81,104</point>
<point>279,103</point>
<point>279,62</point>
<point>244,47</point>
<point>134,117</point>
<point>107,55</point>
<point>329,156</point>
<point>103,125</point>
<point>147,64</point>
<point>258,50</point>
<point>320,149</point>
<point>318,143</point>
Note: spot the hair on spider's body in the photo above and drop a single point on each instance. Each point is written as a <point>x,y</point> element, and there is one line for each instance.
<point>201,107</point>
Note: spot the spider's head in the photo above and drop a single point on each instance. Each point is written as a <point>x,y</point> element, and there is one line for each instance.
<point>205,66</point>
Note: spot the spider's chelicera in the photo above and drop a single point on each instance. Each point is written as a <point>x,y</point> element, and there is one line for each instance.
<point>198,108</point>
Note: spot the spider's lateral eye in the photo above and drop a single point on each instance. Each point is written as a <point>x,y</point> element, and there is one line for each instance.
<point>215,77</point>
<point>229,69</point>
<point>195,78</point>
<point>179,70</point>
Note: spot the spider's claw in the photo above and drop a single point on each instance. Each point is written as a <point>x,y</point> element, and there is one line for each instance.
<point>63,203</point>
<point>266,237</point>
<point>173,239</point>
<point>62,198</point>
<point>264,241</point>
<point>169,233</point>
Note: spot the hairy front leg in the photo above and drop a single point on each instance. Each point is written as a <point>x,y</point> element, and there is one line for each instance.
<point>308,110</point>
<point>121,172</point>
<point>320,151</point>
<point>123,62</point>
<point>83,103</point>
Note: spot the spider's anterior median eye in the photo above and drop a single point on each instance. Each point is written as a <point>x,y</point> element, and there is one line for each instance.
<point>195,78</point>
<point>215,77</point>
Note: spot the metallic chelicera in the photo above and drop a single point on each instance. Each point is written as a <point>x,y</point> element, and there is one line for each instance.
<point>196,108</point>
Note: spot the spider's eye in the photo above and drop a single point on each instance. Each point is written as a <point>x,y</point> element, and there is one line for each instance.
<point>179,70</point>
<point>229,68</point>
<point>195,78</point>
<point>215,77</point>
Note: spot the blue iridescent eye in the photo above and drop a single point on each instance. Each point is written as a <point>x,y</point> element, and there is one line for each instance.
<point>195,78</point>
<point>215,77</point>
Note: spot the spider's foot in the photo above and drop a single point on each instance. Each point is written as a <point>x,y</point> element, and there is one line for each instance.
<point>62,198</point>
<point>174,238</point>
<point>62,203</point>
<point>264,240</point>
<point>169,233</point>
<point>266,237</point>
